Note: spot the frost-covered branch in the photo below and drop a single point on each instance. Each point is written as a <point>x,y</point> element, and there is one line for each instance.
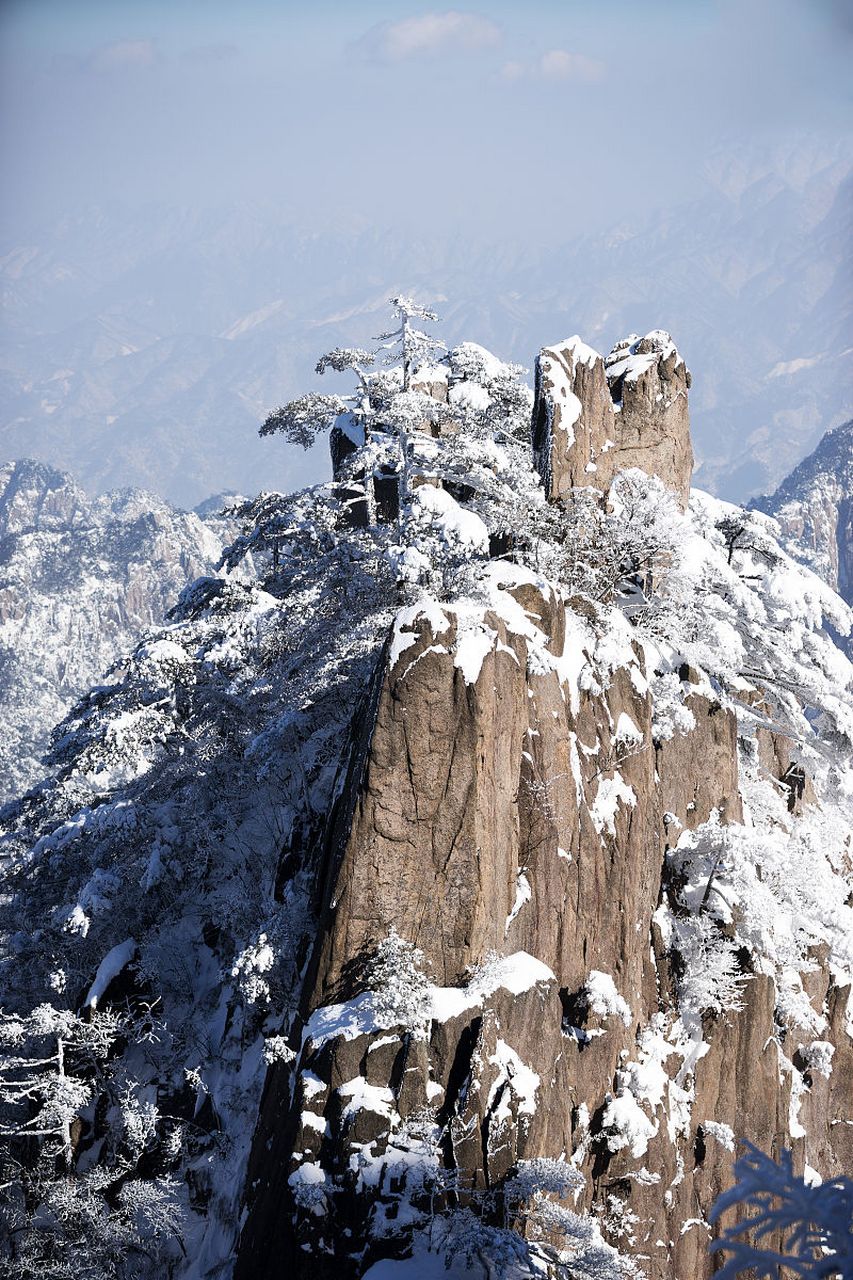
<point>303,419</point>
<point>815,1223</point>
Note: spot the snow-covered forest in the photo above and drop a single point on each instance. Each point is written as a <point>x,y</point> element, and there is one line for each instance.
<point>254,1009</point>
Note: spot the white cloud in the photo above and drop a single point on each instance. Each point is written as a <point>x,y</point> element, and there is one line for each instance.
<point>556,64</point>
<point>431,33</point>
<point>123,54</point>
<point>513,70</point>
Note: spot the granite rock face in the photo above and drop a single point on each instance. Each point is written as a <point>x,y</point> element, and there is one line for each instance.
<point>522,817</point>
<point>514,821</point>
<point>649,382</point>
<point>814,507</point>
<point>594,417</point>
<point>574,425</point>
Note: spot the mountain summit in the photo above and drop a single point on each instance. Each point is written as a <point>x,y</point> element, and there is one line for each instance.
<point>458,890</point>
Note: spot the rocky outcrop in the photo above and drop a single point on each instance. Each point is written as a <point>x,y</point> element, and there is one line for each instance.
<point>649,382</point>
<point>80,580</point>
<point>593,416</point>
<point>512,818</point>
<point>814,507</point>
<point>574,425</point>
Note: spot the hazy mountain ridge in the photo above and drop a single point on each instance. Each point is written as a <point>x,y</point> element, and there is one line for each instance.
<point>80,581</point>
<point>177,332</point>
<point>814,507</point>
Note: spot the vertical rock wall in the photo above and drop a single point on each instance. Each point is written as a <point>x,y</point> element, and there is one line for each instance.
<point>482,824</point>
<point>574,426</point>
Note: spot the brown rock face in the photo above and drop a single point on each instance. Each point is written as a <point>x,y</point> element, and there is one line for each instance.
<point>593,417</point>
<point>574,427</point>
<point>649,382</point>
<point>518,814</point>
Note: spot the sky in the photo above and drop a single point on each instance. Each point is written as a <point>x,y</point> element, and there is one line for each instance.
<point>543,119</point>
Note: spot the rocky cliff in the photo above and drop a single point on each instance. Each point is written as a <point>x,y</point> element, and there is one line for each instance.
<point>80,581</point>
<point>814,507</point>
<point>454,897</point>
<point>523,820</point>
<point>528,815</point>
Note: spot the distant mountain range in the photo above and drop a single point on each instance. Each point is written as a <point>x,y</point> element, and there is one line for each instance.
<point>814,506</point>
<point>80,581</point>
<point>144,348</point>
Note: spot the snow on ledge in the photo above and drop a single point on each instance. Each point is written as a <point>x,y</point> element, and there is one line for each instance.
<point>581,352</point>
<point>516,973</point>
<point>475,639</point>
<point>110,967</point>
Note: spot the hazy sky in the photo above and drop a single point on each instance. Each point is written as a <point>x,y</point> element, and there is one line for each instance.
<point>540,118</point>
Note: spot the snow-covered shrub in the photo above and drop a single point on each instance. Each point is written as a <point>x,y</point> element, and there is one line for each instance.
<point>817,1057</point>
<point>780,886</point>
<point>400,988</point>
<point>670,716</point>
<point>629,549</point>
<point>541,1176</point>
<point>249,969</point>
<point>645,533</point>
<point>73,1235</point>
<point>500,1254</point>
<point>602,998</point>
<point>709,978</point>
<point>140,1119</point>
<point>493,1251</point>
<point>276,1049</point>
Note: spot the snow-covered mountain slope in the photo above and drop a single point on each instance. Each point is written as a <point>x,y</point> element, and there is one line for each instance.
<point>814,507</point>
<point>142,348</point>
<point>80,581</point>
<point>413,902</point>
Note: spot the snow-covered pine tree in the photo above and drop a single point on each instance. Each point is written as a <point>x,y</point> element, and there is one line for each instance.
<point>434,444</point>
